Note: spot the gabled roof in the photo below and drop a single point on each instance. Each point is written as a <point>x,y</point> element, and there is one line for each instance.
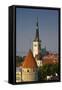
<point>29,61</point>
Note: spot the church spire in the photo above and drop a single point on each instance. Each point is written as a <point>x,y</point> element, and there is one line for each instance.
<point>37,31</point>
<point>36,41</point>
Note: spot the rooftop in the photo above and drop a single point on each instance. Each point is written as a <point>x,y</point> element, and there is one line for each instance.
<point>29,61</point>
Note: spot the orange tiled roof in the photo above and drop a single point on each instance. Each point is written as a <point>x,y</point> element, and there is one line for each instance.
<point>29,61</point>
<point>50,61</point>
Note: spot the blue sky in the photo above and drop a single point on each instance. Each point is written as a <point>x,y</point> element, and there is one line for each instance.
<point>26,28</point>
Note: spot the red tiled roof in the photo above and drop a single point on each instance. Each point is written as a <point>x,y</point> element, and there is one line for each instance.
<point>29,61</point>
<point>50,61</point>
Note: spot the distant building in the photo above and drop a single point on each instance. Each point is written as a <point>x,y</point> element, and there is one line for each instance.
<point>43,51</point>
<point>18,74</point>
<point>50,59</point>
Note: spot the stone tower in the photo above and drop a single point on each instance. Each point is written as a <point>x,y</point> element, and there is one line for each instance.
<point>29,68</point>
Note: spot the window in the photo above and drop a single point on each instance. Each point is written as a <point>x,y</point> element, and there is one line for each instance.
<point>27,70</point>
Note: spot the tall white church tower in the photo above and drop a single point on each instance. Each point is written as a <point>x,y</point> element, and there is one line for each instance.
<point>36,42</point>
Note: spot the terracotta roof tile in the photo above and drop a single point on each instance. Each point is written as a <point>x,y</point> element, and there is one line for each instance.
<point>50,61</point>
<point>29,61</point>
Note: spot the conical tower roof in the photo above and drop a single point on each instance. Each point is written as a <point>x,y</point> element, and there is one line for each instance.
<point>37,31</point>
<point>29,61</point>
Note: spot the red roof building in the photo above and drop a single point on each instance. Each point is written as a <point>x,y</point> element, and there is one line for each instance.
<point>29,61</point>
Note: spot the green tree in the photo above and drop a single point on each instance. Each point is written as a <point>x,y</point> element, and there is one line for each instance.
<point>47,69</point>
<point>19,60</point>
